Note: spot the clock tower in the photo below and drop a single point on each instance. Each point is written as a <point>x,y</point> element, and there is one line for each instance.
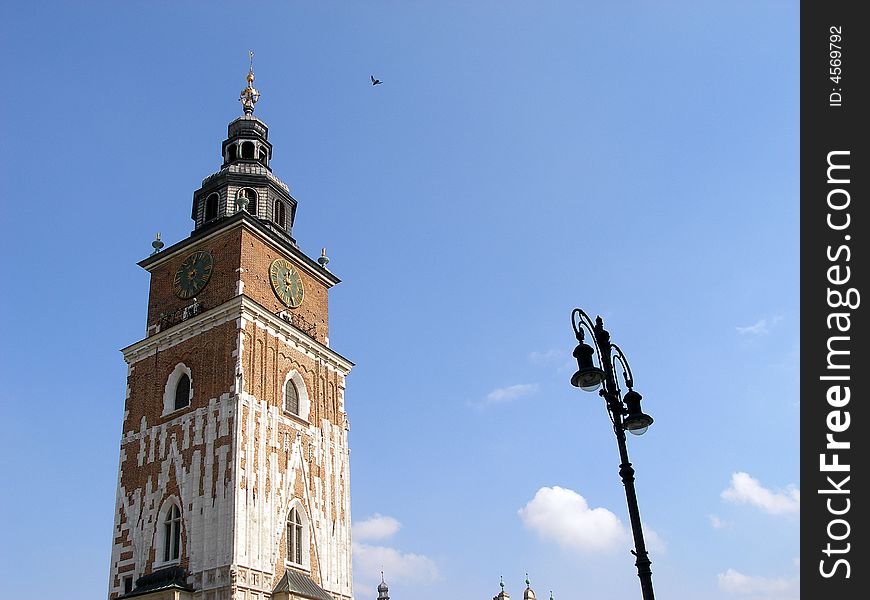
<point>233,480</point>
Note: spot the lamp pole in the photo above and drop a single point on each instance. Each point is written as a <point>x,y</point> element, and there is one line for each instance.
<point>625,414</point>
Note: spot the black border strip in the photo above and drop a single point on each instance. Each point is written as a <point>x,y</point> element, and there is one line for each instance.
<point>835,226</point>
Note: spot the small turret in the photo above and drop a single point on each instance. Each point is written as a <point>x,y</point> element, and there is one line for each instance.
<point>502,595</point>
<point>529,593</point>
<point>383,590</point>
<point>245,182</point>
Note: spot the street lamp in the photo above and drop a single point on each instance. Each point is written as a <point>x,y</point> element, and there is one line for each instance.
<point>625,414</point>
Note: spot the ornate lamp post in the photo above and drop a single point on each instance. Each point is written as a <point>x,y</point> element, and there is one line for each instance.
<point>625,414</point>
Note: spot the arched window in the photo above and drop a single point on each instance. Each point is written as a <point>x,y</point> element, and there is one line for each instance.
<point>295,536</point>
<point>264,156</point>
<point>280,213</point>
<point>249,195</point>
<point>291,397</point>
<point>211,207</point>
<point>172,534</point>
<point>247,149</point>
<point>178,390</point>
<point>296,401</point>
<point>182,392</point>
<point>232,152</point>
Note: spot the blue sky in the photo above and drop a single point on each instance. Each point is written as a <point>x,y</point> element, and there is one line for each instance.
<point>636,159</point>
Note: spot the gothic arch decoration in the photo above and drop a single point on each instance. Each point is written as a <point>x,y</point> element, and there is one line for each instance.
<point>293,382</point>
<point>179,381</point>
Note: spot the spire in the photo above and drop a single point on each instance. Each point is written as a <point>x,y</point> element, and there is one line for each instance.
<point>383,590</point>
<point>249,95</point>
<point>529,593</point>
<point>502,595</point>
<point>245,182</point>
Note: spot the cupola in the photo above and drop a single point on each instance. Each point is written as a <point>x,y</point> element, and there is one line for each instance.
<point>245,182</point>
<point>528,593</point>
<point>383,590</point>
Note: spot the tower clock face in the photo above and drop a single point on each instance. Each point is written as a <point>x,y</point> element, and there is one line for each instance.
<point>193,274</point>
<point>286,283</point>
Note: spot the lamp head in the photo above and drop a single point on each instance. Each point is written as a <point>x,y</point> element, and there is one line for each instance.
<point>588,377</point>
<point>636,422</point>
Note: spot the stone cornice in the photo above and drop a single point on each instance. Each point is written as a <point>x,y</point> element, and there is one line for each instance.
<point>226,312</point>
<point>198,237</point>
<point>239,309</point>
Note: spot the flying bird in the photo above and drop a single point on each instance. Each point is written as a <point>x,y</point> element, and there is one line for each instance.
<point>375,81</point>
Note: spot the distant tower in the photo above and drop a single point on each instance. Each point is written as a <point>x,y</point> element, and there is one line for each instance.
<point>528,593</point>
<point>383,590</point>
<point>233,481</point>
<point>502,595</point>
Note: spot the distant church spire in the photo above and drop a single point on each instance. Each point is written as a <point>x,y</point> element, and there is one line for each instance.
<point>249,95</point>
<point>502,595</point>
<point>529,593</point>
<point>383,590</point>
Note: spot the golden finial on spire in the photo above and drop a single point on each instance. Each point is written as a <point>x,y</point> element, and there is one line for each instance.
<point>249,95</point>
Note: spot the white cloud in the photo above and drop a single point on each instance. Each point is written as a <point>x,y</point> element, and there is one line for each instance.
<point>563,516</point>
<point>653,541</point>
<point>760,327</point>
<point>369,560</point>
<point>560,359</point>
<point>760,588</point>
<point>716,522</point>
<point>509,393</point>
<point>746,490</point>
<point>363,590</point>
<point>376,527</point>
<point>397,566</point>
<point>543,358</point>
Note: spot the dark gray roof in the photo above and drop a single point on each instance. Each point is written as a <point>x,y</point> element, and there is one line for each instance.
<point>164,579</point>
<point>300,584</point>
